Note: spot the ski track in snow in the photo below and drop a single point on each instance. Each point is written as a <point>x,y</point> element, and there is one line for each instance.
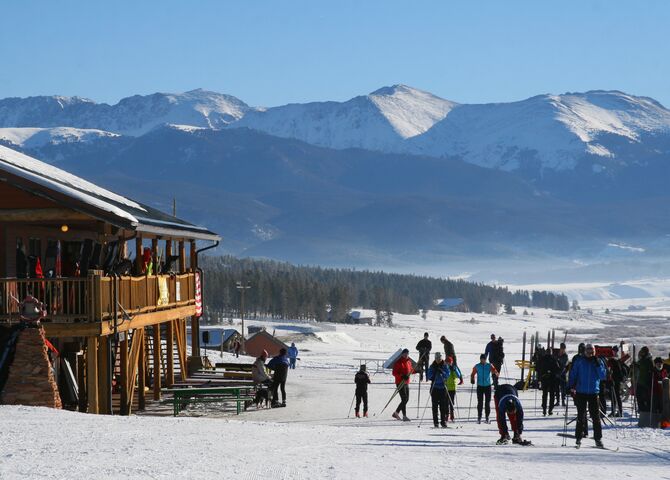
<point>313,438</point>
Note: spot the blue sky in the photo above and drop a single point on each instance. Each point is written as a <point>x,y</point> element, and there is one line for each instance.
<point>272,52</point>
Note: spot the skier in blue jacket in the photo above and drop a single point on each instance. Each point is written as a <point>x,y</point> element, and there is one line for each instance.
<point>438,373</point>
<point>585,376</point>
<point>484,372</point>
<point>507,403</point>
<point>292,355</point>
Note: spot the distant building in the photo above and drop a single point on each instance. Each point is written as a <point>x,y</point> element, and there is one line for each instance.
<point>262,340</point>
<point>452,305</point>
<point>357,317</point>
<point>219,338</point>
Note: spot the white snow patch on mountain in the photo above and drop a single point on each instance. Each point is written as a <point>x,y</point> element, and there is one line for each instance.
<point>550,131</point>
<point>39,137</point>
<point>378,121</point>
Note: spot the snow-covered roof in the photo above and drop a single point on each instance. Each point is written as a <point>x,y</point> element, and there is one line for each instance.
<point>450,302</point>
<point>42,178</point>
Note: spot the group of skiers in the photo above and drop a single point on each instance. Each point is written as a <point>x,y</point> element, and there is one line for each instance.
<point>586,378</point>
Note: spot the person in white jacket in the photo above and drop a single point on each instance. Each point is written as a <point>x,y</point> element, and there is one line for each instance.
<point>258,373</point>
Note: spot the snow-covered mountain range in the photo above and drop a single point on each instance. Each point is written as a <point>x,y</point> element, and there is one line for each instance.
<point>133,116</point>
<point>557,132</point>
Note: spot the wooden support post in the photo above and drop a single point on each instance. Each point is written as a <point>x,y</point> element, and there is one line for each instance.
<point>81,381</point>
<point>169,353</point>
<point>123,363</point>
<point>182,257</point>
<point>141,375</point>
<point>139,264</point>
<point>194,256</point>
<point>92,374</point>
<point>157,361</point>
<point>168,252</point>
<point>154,254</point>
<point>104,388</point>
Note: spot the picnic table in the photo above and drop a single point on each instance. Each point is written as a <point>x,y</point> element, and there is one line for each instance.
<point>182,397</point>
<point>379,363</point>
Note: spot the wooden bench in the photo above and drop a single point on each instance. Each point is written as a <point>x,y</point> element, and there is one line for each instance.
<point>236,367</point>
<point>182,397</point>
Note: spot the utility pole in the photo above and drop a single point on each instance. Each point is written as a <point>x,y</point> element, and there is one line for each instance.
<point>242,288</point>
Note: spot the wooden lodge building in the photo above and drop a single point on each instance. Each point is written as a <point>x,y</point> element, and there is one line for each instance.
<point>112,281</point>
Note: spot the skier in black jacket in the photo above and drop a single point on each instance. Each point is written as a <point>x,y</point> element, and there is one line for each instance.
<point>423,347</point>
<point>549,371</point>
<point>362,379</point>
<point>497,357</point>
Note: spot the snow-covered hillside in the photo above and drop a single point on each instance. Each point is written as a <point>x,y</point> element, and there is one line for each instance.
<point>38,137</point>
<point>551,131</point>
<point>131,116</point>
<point>381,120</point>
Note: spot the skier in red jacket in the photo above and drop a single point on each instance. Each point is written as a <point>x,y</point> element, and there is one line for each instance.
<point>402,369</point>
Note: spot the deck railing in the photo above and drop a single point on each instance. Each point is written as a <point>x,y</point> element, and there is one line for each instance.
<point>91,299</point>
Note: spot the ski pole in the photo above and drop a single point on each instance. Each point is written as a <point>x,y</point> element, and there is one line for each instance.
<point>426,407</point>
<point>352,405</point>
<point>400,385</point>
<point>565,424</point>
<point>470,405</point>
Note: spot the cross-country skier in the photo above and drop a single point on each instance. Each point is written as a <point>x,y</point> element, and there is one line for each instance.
<point>549,371</point>
<point>448,349</point>
<point>658,375</point>
<point>483,370</point>
<point>497,357</point>
<point>507,404</point>
<point>292,355</point>
<point>562,381</point>
<point>438,373</point>
<point>402,369</point>
<point>279,365</point>
<point>454,373</point>
<point>618,372</point>
<point>423,347</point>
<point>489,346</point>
<point>362,379</point>
<point>643,370</point>
<point>585,376</point>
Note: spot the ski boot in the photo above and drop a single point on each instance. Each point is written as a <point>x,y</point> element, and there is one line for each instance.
<point>599,444</point>
<point>405,418</point>
<point>479,420</point>
<point>487,420</point>
<point>396,416</point>
<point>578,443</point>
<point>358,415</point>
<point>444,425</point>
<point>365,414</point>
<point>503,440</point>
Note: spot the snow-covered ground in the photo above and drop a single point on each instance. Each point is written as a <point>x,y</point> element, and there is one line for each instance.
<point>314,438</point>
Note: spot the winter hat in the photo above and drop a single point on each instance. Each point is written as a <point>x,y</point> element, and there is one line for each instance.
<point>363,368</point>
<point>493,336</point>
<point>425,334</point>
<point>482,357</point>
<point>282,351</point>
<point>658,360</point>
<point>405,350</point>
<point>562,345</point>
<point>438,356</point>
